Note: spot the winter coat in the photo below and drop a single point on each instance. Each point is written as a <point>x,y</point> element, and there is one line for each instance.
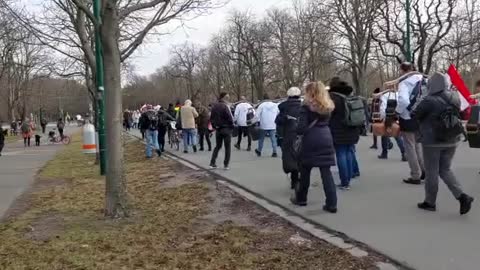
<point>241,112</point>
<point>287,130</point>
<point>221,116</point>
<point>317,145</point>
<point>189,114</point>
<point>203,117</point>
<point>266,114</point>
<point>2,136</point>
<point>405,88</point>
<point>342,134</point>
<point>430,108</point>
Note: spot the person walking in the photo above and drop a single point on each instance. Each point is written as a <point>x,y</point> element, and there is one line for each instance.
<point>27,131</point>
<point>171,111</point>
<point>388,104</point>
<point>149,123</point>
<point>188,116</point>
<point>244,113</point>
<point>2,139</point>
<point>202,123</point>
<point>440,142</point>
<point>408,125</point>
<point>317,148</point>
<point>374,108</point>
<point>60,127</point>
<point>43,124</point>
<point>163,122</point>
<point>345,137</point>
<point>266,114</point>
<point>222,121</point>
<point>287,119</point>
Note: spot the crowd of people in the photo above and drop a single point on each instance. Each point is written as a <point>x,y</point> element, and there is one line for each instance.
<point>321,128</point>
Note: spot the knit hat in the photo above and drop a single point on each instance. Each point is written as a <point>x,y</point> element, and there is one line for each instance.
<point>294,92</point>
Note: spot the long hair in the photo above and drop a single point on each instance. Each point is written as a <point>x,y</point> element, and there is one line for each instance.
<point>317,98</point>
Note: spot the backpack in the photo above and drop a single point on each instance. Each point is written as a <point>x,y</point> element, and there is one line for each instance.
<point>354,110</point>
<point>449,124</point>
<point>25,127</point>
<point>250,116</point>
<point>418,94</point>
<point>152,120</point>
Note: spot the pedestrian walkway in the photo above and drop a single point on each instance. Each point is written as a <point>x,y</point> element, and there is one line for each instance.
<point>18,168</point>
<point>380,210</point>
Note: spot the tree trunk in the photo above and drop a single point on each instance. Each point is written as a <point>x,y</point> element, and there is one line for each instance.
<point>116,196</point>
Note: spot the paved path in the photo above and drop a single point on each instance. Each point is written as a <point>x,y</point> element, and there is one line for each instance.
<point>18,167</point>
<point>379,210</point>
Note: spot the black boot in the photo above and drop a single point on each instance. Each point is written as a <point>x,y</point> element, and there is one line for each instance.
<point>237,146</point>
<point>404,159</point>
<point>194,149</point>
<point>427,207</point>
<point>465,203</point>
<point>383,156</point>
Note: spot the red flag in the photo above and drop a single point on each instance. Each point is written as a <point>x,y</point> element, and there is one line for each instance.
<point>462,88</point>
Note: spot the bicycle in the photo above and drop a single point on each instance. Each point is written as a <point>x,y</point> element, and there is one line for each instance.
<point>174,136</point>
<point>57,139</point>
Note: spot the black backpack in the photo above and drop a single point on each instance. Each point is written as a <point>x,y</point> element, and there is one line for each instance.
<point>250,116</point>
<point>152,120</point>
<point>449,124</point>
<point>418,94</point>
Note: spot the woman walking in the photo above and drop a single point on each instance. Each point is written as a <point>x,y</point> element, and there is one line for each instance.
<point>286,122</point>
<point>317,150</point>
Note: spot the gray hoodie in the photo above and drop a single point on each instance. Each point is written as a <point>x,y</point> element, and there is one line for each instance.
<point>429,110</point>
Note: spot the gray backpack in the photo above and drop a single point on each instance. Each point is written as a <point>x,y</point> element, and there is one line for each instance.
<point>354,110</point>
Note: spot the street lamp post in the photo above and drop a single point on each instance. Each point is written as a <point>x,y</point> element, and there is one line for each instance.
<point>408,42</point>
<point>100,87</point>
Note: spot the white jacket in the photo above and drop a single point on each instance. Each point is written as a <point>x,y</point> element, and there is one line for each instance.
<point>267,113</point>
<point>405,89</point>
<point>383,102</point>
<point>241,111</point>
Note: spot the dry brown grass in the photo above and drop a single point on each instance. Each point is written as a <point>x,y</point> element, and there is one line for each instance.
<point>64,227</point>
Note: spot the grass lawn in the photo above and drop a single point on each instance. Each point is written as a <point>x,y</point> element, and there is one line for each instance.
<point>180,219</point>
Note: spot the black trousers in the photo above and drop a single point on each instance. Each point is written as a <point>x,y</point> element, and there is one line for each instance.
<point>44,127</point>
<point>161,137</point>
<point>204,134</point>
<point>223,136</point>
<point>26,141</point>
<point>328,186</point>
<point>1,147</point>
<point>295,178</point>
<point>243,131</point>
<point>60,130</point>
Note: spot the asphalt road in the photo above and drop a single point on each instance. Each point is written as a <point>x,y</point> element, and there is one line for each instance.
<point>380,210</point>
<point>19,166</point>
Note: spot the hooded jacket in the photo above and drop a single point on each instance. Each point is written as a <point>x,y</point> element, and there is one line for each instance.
<point>188,114</point>
<point>342,134</point>
<point>286,122</point>
<point>429,110</point>
<point>266,114</point>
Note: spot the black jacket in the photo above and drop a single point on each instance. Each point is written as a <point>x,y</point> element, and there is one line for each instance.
<point>2,136</point>
<point>286,122</point>
<point>167,116</point>
<point>144,121</point>
<point>317,145</point>
<point>221,116</point>
<point>342,134</point>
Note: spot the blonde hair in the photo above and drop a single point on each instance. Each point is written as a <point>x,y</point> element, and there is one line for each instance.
<point>317,98</point>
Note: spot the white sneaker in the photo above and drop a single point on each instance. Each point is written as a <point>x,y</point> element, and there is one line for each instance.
<point>226,168</point>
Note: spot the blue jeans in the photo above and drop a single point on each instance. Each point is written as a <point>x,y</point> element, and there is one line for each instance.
<point>345,162</point>
<point>152,141</point>
<point>189,138</point>
<point>355,168</point>
<point>272,133</point>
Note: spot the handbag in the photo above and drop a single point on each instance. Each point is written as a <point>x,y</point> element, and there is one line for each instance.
<point>297,145</point>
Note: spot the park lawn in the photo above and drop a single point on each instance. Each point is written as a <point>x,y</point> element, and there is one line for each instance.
<point>180,219</point>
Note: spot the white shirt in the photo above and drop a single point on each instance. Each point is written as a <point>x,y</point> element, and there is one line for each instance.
<point>383,102</point>
<point>241,111</point>
<point>405,89</point>
<point>267,113</point>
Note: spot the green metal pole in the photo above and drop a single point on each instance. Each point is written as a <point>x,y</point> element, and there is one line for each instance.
<point>100,89</point>
<point>409,46</point>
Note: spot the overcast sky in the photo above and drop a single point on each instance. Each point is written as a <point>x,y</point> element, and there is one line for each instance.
<point>155,54</point>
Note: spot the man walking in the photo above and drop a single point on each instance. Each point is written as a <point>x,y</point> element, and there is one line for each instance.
<point>149,123</point>
<point>266,114</point>
<point>408,125</point>
<point>222,120</point>
<point>2,139</point>
<point>202,123</point>
<point>188,116</point>
<point>244,113</point>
